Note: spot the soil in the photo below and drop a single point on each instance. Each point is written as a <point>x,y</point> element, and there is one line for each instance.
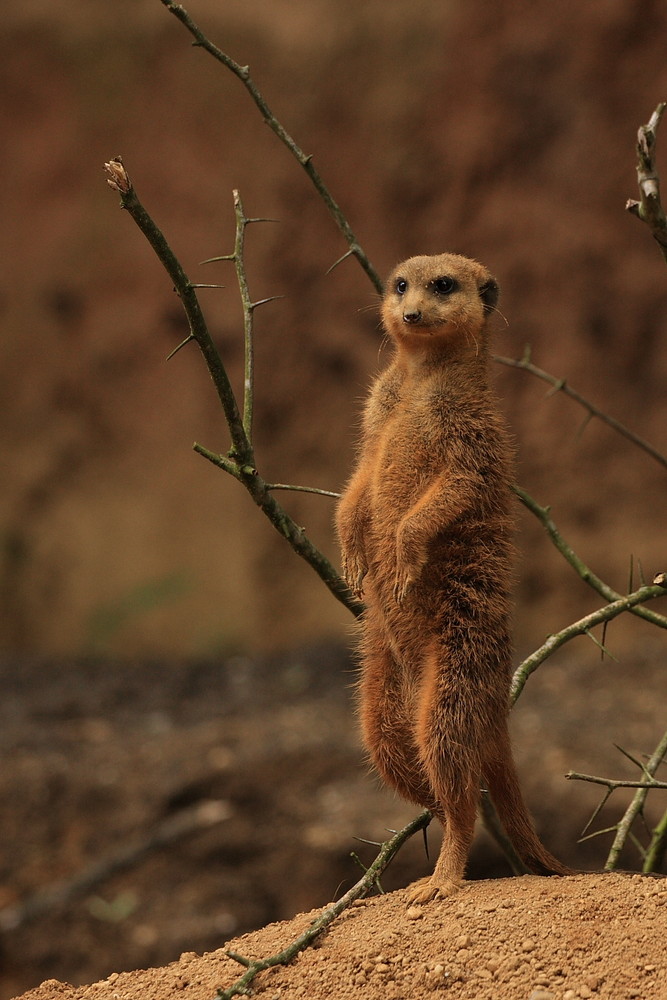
<point>525,938</point>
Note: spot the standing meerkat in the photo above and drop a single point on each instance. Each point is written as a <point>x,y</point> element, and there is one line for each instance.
<point>425,529</point>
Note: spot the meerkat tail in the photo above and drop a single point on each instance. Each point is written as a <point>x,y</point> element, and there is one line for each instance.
<point>503,784</point>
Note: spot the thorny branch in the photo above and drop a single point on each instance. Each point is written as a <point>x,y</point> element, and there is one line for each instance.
<point>328,915</point>
<point>583,627</point>
<point>304,159</point>
<point>561,385</point>
<point>239,461</point>
<point>543,514</point>
<point>654,854</point>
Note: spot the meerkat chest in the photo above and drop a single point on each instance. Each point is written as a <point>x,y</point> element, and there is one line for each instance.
<point>412,451</point>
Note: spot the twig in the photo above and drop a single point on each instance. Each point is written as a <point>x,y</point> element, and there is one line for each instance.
<point>242,221</point>
<point>57,896</point>
<point>649,209</point>
<point>303,489</point>
<point>655,854</point>
<point>606,613</point>
<point>305,160</point>
<point>118,179</point>
<point>328,915</point>
<point>561,385</point>
<point>635,808</point>
<point>613,784</point>
<point>286,526</point>
<point>239,462</point>
<point>584,571</point>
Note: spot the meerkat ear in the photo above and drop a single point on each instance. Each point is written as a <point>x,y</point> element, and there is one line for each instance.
<point>489,293</point>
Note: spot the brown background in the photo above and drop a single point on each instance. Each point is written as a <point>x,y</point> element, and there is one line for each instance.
<point>148,609</point>
<point>503,131</point>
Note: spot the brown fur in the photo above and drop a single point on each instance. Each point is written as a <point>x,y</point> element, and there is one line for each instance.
<point>425,531</point>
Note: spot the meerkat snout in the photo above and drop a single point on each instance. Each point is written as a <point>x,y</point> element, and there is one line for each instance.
<point>413,316</point>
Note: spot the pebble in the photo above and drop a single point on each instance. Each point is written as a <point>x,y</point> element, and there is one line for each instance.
<point>414,913</point>
<point>540,994</point>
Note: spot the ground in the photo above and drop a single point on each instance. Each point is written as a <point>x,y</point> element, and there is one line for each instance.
<point>524,938</point>
<point>151,809</point>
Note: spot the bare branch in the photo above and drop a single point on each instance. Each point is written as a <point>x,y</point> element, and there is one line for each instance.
<point>635,808</point>
<point>612,784</point>
<point>328,915</point>
<point>586,574</point>
<point>561,385</point>
<point>240,460</point>
<point>305,160</point>
<point>554,642</point>
<point>303,489</point>
<point>287,527</point>
<point>119,180</point>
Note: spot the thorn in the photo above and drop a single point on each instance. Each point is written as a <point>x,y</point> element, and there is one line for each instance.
<point>627,754</point>
<point>200,285</point>
<point>262,302</point>
<point>187,340</point>
<point>372,843</point>
<point>584,423</point>
<point>212,260</point>
<point>425,836</point>
<point>600,645</point>
<point>340,260</point>
<point>557,387</point>
<point>245,962</point>
<point>642,578</point>
<point>249,221</point>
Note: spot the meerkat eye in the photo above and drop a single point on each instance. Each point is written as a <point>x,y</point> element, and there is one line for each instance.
<point>401,286</point>
<point>444,285</point>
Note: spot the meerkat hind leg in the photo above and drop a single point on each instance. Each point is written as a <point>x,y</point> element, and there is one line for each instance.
<point>447,877</point>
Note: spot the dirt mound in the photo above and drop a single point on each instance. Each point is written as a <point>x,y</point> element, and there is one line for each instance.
<point>532,938</point>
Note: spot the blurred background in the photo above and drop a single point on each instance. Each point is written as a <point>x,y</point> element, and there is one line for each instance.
<point>161,645</point>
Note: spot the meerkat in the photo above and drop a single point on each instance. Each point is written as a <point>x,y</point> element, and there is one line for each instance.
<point>425,529</point>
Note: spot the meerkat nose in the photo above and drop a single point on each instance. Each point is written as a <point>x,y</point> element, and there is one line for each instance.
<point>412,317</point>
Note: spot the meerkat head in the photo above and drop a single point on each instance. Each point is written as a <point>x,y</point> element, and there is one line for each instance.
<point>438,302</point>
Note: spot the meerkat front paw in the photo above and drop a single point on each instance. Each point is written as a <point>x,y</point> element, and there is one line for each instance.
<point>354,570</point>
<point>402,583</point>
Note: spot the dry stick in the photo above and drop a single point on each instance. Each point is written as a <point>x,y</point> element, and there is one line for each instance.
<point>649,208</point>
<point>239,462</point>
<point>119,180</point>
<point>584,571</point>
<point>655,854</point>
<point>304,159</point>
<point>560,385</point>
<point>328,915</point>
<point>612,784</point>
<point>237,257</point>
<point>634,809</point>
<point>583,627</point>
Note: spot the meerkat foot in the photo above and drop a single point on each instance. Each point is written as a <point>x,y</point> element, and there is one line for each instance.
<point>426,889</point>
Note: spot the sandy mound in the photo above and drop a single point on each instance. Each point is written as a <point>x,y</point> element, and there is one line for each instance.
<point>532,938</point>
